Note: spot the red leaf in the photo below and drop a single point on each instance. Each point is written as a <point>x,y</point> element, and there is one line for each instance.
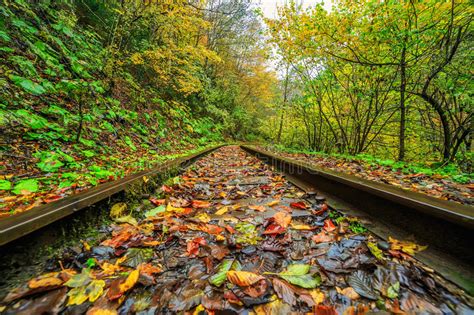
<point>328,225</point>
<point>274,228</point>
<point>201,204</point>
<point>157,202</point>
<point>323,208</point>
<point>166,189</point>
<point>298,205</point>
<point>192,246</point>
<point>230,229</point>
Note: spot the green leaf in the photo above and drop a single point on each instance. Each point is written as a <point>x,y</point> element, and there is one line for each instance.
<point>221,271</point>
<point>298,274</point>
<point>155,211</point>
<point>5,184</point>
<point>79,280</point>
<point>28,85</point>
<point>26,186</point>
<point>392,291</point>
<point>136,256</point>
<point>377,252</point>
<point>50,164</point>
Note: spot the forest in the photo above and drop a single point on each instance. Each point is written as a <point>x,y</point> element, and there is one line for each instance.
<point>95,90</point>
<point>236,157</point>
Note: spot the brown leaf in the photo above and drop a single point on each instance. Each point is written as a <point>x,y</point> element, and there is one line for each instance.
<point>284,291</point>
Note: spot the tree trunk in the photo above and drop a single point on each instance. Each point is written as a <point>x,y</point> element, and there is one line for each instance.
<point>401,145</point>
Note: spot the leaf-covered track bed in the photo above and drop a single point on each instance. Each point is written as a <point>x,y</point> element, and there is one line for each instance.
<point>417,180</point>
<point>230,234</point>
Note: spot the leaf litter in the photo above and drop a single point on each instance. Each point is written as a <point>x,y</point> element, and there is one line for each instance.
<point>218,240</point>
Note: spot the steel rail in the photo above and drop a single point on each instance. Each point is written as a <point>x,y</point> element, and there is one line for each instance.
<point>21,224</point>
<point>446,227</point>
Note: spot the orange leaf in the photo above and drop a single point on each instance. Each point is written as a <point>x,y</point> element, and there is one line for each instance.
<point>45,282</point>
<point>328,225</point>
<point>282,218</point>
<point>201,204</point>
<point>243,278</point>
<point>257,208</point>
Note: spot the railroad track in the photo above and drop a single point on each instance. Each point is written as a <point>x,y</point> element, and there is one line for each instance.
<point>19,225</point>
<point>446,228</point>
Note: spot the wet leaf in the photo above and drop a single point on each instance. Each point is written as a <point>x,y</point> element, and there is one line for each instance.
<point>274,228</point>
<point>328,225</point>
<point>406,247</point>
<point>153,212</point>
<point>200,204</point>
<point>284,291</point>
<point>282,218</point>
<point>323,237</point>
<point>192,246</point>
<point>276,307</point>
<point>377,252</point>
<point>79,280</point>
<point>361,283</point>
<point>220,275</point>
<point>137,256</point>
<point>243,278</point>
<point>203,217</point>
<point>392,291</point>
<point>222,210</point>
<point>298,274</point>
<point>257,208</point>
<point>118,210</point>
<point>298,205</point>
<point>44,282</point>
<point>349,292</point>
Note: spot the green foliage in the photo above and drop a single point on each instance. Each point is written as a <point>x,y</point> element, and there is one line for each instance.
<point>26,186</point>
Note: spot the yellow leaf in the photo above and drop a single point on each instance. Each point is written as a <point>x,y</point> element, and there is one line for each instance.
<point>99,311</point>
<point>220,238</point>
<point>273,203</point>
<point>77,296</point>
<point>118,209</point>
<point>243,278</point>
<point>145,179</point>
<point>45,282</point>
<point>297,226</point>
<point>222,210</point>
<point>203,217</point>
<point>404,246</point>
<point>318,296</point>
<point>95,289</point>
<point>199,309</point>
<point>130,281</point>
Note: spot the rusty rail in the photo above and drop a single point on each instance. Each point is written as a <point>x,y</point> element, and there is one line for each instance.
<point>446,227</point>
<point>21,224</point>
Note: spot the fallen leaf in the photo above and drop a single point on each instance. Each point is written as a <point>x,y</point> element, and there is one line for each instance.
<point>192,246</point>
<point>243,278</point>
<point>44,282</point>
<point>361,283</point>
<point>222,210</point>
<point>349,292</point>
<point>257,208</point>
<point>282,218</point>
<point>200,204</point>
<point>328,225</point>
<point>406,247</point>
<point>323,237</point>
<point>298,205</point>
<point>118,209</point>
<point>298,274</point>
